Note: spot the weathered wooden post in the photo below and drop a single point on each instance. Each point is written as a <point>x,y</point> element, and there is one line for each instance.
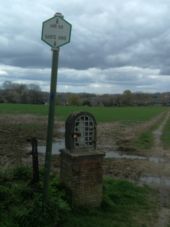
<point>35,164</point>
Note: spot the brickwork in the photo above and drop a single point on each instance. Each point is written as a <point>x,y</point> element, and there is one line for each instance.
<point>82,174</point>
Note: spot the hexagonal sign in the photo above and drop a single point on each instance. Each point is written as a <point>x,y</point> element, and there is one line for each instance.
<point>56,31</point>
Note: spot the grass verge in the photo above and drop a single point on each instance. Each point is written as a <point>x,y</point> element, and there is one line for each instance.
<point>165,137</point>
<point>124,204</point>
<point>144,141</point>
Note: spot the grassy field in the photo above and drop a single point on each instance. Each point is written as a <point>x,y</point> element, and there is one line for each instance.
<point>102,114</point>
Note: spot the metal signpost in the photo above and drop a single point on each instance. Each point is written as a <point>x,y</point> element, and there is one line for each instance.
<point>56,32</point>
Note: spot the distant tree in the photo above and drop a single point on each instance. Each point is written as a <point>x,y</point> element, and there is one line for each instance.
<point>165,99</point>
<point>21,93</point>
<point>8,85</point>
<point>10,92</point>
<point>86,103</point>
<point>106,100</point>
<point>60,99</point>
<point>142,99</point>
<point>127,98</point>
<point>74,100</point>
<point>118,100</point>
<point>35,94</point>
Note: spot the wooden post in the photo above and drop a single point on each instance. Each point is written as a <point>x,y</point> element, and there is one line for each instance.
<point>35,164</point>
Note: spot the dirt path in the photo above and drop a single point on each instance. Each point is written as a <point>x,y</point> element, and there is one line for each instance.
<point>149,167</point>
<point>164,214</point>
<point>158,149</point>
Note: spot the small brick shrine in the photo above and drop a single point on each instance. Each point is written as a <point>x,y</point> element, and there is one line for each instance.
<point>81,165</point>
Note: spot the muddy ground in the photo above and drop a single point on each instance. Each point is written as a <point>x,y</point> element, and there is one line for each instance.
<point>145,167</point>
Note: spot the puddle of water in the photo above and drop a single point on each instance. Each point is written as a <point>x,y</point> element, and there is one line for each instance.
<point>56,147</point>
<point>119,155</point>
<point>60,144</point>
<point>156,160</point>
<point>61,130</point>
<point>155,180</point>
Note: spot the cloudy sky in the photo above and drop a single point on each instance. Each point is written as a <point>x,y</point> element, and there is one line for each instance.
<point>115,45</point>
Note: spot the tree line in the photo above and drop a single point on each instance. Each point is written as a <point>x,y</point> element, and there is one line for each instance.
<point>21,93</point>
<point>32,94</point>
<point>127,98</point>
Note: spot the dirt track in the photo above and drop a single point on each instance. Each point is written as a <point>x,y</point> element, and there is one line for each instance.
<point>152,168</point>
<point>164,215</point>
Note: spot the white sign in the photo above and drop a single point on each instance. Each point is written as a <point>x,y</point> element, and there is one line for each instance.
<point>56,32</point>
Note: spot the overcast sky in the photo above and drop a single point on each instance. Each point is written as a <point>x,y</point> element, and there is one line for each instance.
<point>115,45</point>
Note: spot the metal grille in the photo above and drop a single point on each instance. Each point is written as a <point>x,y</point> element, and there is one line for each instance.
<point>80,132</point>
<point>84,132</point>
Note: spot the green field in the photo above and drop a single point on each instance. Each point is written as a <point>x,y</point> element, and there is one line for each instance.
<point>102,114</point>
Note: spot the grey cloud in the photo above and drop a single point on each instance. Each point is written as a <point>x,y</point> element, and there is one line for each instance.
<point>107,38</point>
<point>99,31</point>
<point>92,80</point>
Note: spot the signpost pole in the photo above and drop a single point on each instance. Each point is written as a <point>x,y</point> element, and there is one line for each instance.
<point>56,32</point>
<point>51,113</point>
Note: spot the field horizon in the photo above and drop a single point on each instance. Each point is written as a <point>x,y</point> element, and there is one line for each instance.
<point>102,114</point>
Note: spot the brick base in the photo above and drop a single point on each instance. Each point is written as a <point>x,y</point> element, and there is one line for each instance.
<point>82,174</point>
